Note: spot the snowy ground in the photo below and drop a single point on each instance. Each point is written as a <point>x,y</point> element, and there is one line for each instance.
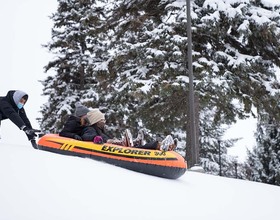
<point>41,185</point>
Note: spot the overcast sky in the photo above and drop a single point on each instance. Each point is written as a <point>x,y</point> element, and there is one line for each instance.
<point>25,26</point>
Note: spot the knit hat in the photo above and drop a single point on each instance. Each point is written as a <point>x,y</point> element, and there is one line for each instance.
<point>80,110</point>
<point>18,95</point>
<point>95,116</point>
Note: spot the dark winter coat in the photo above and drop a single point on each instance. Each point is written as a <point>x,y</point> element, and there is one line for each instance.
<point>90,132</point>
<point>72,127</point>
<point>9,110</point>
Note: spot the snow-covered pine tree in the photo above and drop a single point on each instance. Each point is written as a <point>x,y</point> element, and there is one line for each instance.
<point>144,80</point>
<point>263,163</point>
<point>231,70</point>
<point>214,148</point>
<point>76,43</point>
<point>139,56</point>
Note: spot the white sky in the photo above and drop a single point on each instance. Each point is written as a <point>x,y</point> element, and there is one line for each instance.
<point>38,185</point>
<point>25,26</point>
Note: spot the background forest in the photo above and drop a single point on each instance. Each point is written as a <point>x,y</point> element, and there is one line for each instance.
<point>128,58</point>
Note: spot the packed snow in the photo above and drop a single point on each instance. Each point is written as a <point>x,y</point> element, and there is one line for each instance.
<point>42,185</point>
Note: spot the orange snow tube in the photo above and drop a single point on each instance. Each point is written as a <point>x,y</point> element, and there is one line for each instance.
<point>167,164</point>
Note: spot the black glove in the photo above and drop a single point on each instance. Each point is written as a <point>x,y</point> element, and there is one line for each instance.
<point>77,137</point>
<point>34,144</point>
<point>30,132</point>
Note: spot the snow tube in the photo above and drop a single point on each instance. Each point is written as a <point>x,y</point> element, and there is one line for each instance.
<point>167,164</point>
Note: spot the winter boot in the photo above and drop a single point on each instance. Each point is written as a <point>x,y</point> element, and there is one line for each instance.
<point>128,140</point>
<point>139,141</point>
<point>167,143</point>
<point>174,146</point>
<point>116,141</point>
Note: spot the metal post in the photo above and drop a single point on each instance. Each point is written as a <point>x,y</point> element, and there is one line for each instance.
<point>220,158</point>
<point>235,166</point>
<point>191,89</point>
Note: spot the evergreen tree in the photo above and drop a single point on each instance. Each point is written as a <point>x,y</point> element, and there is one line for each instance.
<point>76,42</point>
<point>135,69</point>
<point>139,55</point>
<point>263,164</point>
<point>232,72</point>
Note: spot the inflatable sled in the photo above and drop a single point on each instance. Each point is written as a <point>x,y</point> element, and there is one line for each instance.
<point>167,164</point>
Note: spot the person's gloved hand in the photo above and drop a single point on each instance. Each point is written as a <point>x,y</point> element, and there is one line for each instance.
<point>77,137</point>
<point>98,140</point>
<point>29,131</point>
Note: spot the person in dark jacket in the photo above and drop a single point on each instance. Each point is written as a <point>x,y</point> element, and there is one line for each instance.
<point>75,123</point>
<point>12,107</point>
<point>96,132</point>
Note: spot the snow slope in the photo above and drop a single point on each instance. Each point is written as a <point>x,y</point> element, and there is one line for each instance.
<point>41,185</point>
